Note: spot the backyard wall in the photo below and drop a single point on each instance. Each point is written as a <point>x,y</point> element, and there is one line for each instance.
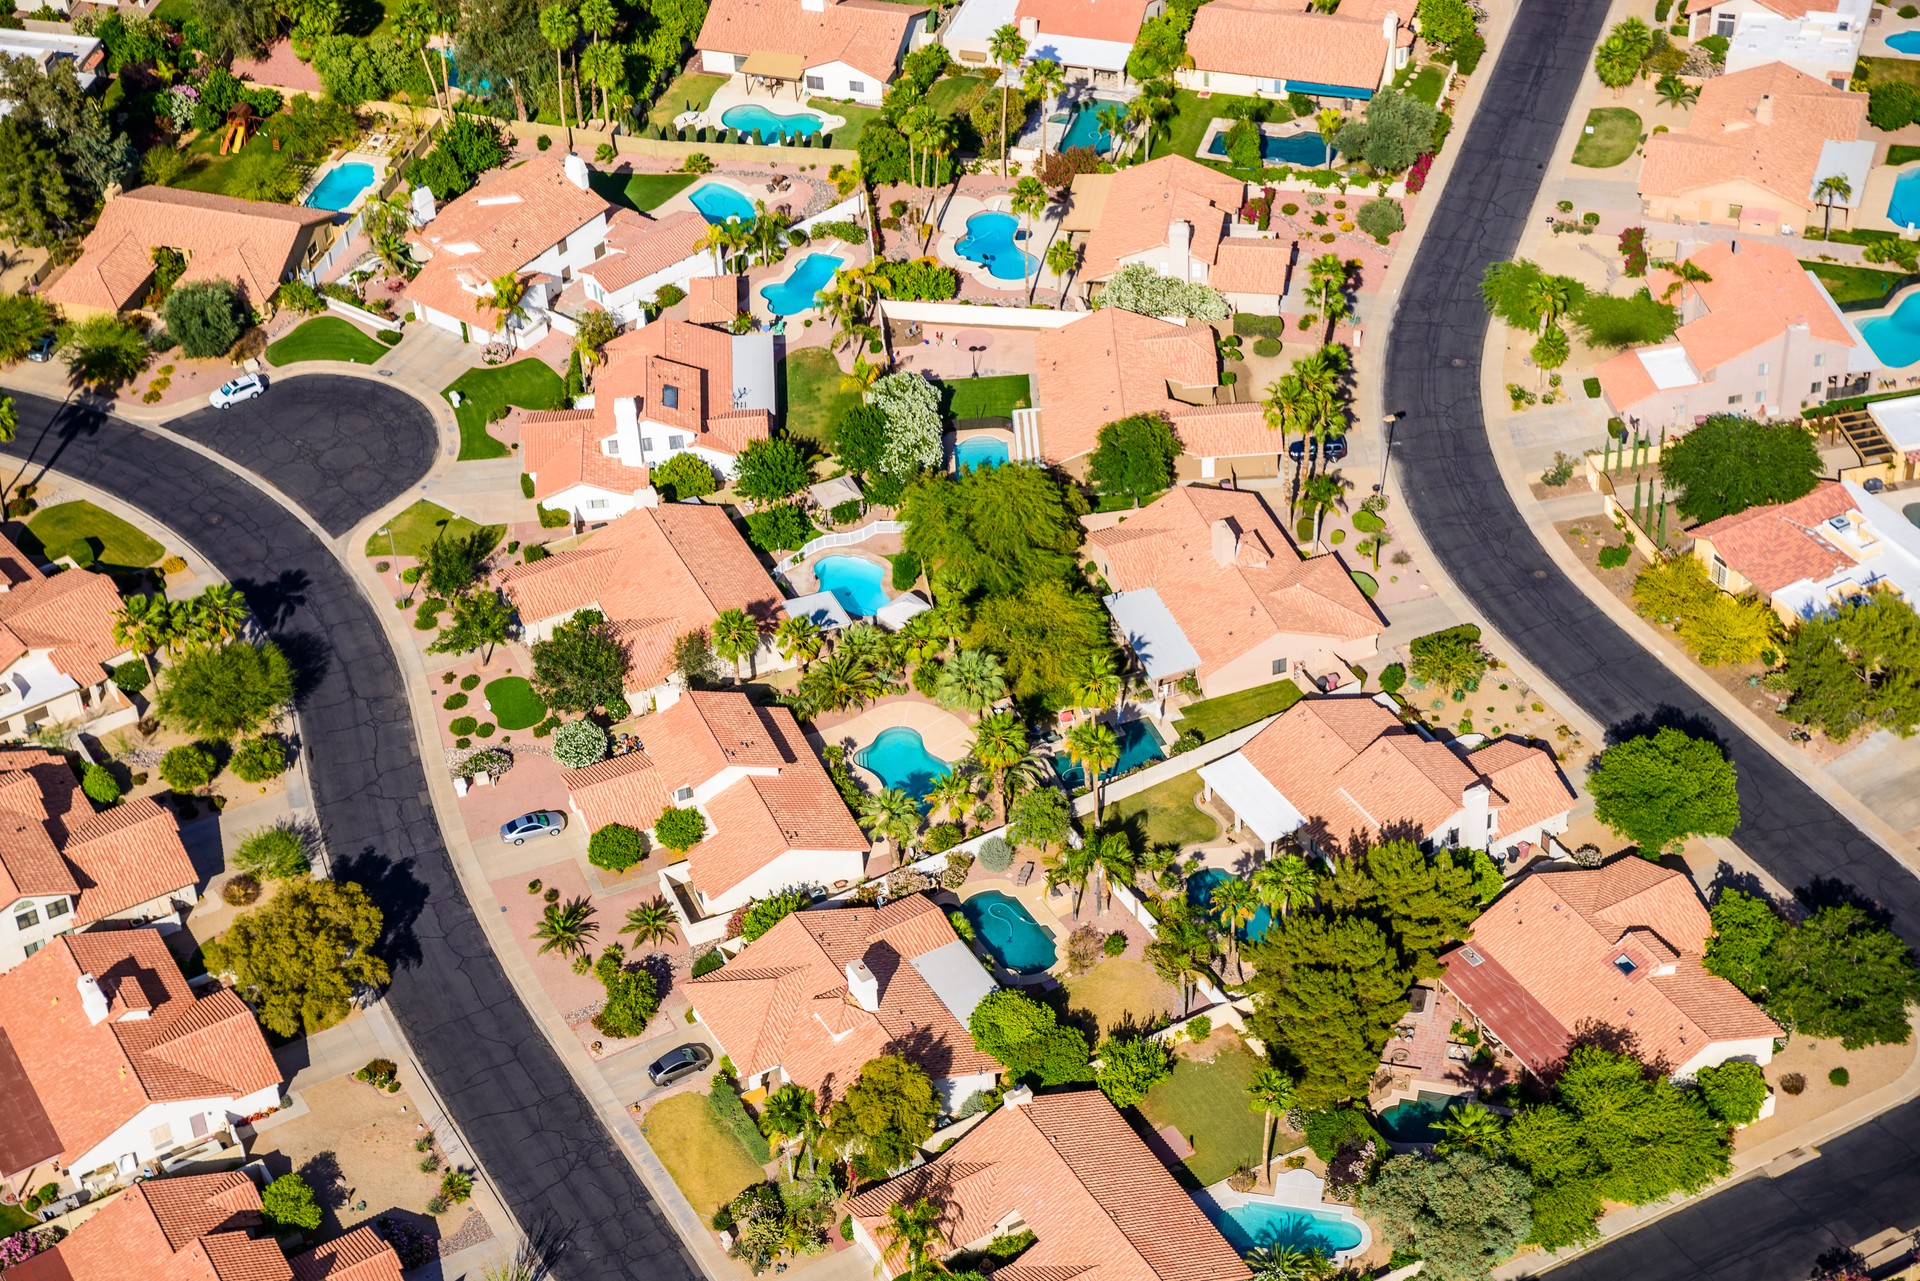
<point>960,313</point>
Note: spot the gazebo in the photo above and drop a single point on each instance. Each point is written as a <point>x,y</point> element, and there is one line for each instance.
<point>775,69</point>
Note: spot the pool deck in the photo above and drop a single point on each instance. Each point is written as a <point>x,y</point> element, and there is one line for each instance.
<point>1293,1190</point>
<point>377,163</point>
<point>1039,902</point>
<point>946,735</point>
<point>953,226</point>
<point>805,580</point>
<point>734,94</point>
<point>682,201</point>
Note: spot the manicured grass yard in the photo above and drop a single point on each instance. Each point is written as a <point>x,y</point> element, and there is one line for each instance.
<point>91,536</point>
<point>1853,284</point>
<point>1886,70</point>
<point>326,338</point>
<point>1900,153</point>
<point>707,1162</point>
<point>1615,133</point>
<point>1182,132</point>
<point>1207,1102</point>
<point>988,397</point>
<point>811,394</point>
<point>1121,993</point>
<point>1166,812</point>
<point>486,393</point>
<point>13,1219</point>
<point>692,91</point>
<point>950,93</point>
<point>513,703</point>
<point>1216,716</point>
<point>1427,83</point>
<point>642,191</point>
<point>419,525</point>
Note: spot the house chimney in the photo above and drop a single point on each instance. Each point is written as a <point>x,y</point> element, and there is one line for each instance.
<point>92,1000</point>
<point>1180,242</point>
<point>1018,1097</point>
<point>1763,110</point>
<point>1476,799</point>
<point>1226,543</point>
<point>1390,26</point>
<point>576,170</point>
<point>862,986</point>
<point>1029,29</point>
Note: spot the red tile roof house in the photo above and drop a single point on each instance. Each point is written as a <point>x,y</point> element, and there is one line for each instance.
<point>824,992</point>
<point>1068,1168</point>
<point>1566,954</point>
<point>110,1063</point>
<point>542,223</point>
<point>1811,555</point>
<point>64,867</point>
<point>1177,217</point>
<point>774,818</point>
<point>1762,338</point>
<point>1205,581</point>
<point>1272,48</point>
<point>57,651</point>
<point>833,48</point>
<point>207,1227</point>
<point>667,388</point>
<point>1090,39</point>
<point>1340,774</point>
<point>656,574</point>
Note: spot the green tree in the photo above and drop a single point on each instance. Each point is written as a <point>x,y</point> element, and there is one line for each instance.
<point>560,28</point>
<point>1395,131</point>
<point>258,759</point>
<point>1659,789</point>
<point>1095,748</point>
<point>230,29</point>
<point>1464,1213</point>
<point>101,351</point>
<point>1133,457</point>
<point>993,529</point>
<point>770,470</point>
<point>288,1203</point>
<point>1839,975</point>
<point>223,690</point>
<point>799,638</point>
<point>1639,320</point>
<point>38,204</point>
<point>1450,659</point>
<point>972,680</point>
<point>478,620</point>
<point>1026,1036</point>
<point>299,959</point>
<point>1272,1095</point>
<point>1730,463</point>
<point>188,768</point>
<point>1285,882</point>
<point>1043,633</point>
<point>25,319</point>
<point>1129,1068</point>
<point>891,815</point>
<point>582,666</point>
<point>1746,929</point>
<point>1039,819</point>
<point>911,1229</point>
<point>1425,902</point>
<point>279,853</point>
<point>679,829</point>
<point>452,564</point>
<point>99,784</point>
<point>1006,47</point>
<point>768,912</point>
<point>1520,294</point>
<point>883,1118</point>
<point>616,846</point>
<point>1444,22</point>
<point>1234,904</point>
<point>859,436</point>
<point>790,1113</point>
<point>1331,989</point>
<point>1855,668</point>
<point>204,315</point>
<point>736,637</point>
<point>1734,1092</point>
<point>684,475</point>
<point>1471,1126</point>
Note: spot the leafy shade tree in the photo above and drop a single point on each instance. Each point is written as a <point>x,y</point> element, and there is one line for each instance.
<point>1133,457</point>
<point>1854,669</point>
<point>880,1122</point>
<point>298,959</point>
<point>909,406</point>
<point>1039,819</point>
<point>288,1203</point>
<point>1444,23</point>
<point>101,351</point>
<point>1027,1038</point>
<point>1463,1213</point>
<point>993,529</point>
<point>768,471</point>
<point>1746,929</point>
<point>1635,321</point>
<point>1840,975</point>
<point>223,690</point>
<point>1613,1132</point>
<point>684,475</point>
<point>478,620</point>
<point>1395,131</point>
<point>25,319</point>
<point>582,666</point>
<point>1659,789</point>
<point>1734,1092</point>
<point>451,565</point>
<point>1043,635</point>
<point>1129,1068</point>
<point>1425,902</point>
<point>1138,288</point>
<point>1333,988</point>
<point>1730,463</point>
<point>679,829</point>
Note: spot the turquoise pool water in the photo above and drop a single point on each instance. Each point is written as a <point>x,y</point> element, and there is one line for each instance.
<point>1294,149</point>
<point>901,759</point>
<point>750,116</point>
<point>1009,932</point>
<point>858,584</point>
<point>1412,1120</point>
<point>990,242</point>
<point>1139,744</point>
<point>1083,129</point>
<point>1904,41</point>
<point>795,294</point>
<point>1904,205</point>
<point>340,186</point>
<point>981,451</point>
<point>718,203</point>
<point>1200,887</point>
<point>1262,1224</point>
<point>1895,339</point>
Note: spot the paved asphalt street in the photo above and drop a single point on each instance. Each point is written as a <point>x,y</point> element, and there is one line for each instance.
<point>1868,1180</point>
<point>544,1146</point>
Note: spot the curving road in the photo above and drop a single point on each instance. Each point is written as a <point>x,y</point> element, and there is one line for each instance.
<point>347,447</point>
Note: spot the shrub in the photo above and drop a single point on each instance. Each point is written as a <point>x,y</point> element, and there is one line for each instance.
<point>632,997</point>
<point>616,847</point>
<point>1381,218</point>
<point>1266,347</point>
<point>298,296</point>
<point>1329,1130</point>
<point>241,891</point>
<point>1247,325</point>
<point>1839,1076</point>
<point>205,316</point>
<point>845,513</point>
<point>258,759</point>
<point>1199,1028</point>
<point>782,527</point>
<point>1128,1069</point>
<point>1115,943</point>
<point>1892,105</point>
<point>707,962</point>
<point>577,744</point>
<point>763,915</point>
<point>1734,1091</point>
<point>132,676</point>
<point>685,476</point>
<point>995,854</point>
<point>463,726</point>
<point>1792,1083</point>
<point>732,1115</point>
<point>277,853</point>
<point>679,829</point>
<point>961,925</point>
<point>1392,677</point>
<point>188,768</point>
<point>906,571</point>
<point>942,837</point>
<point>469,683</point>
<point>455,702</point>
<point>288,1203</point>
<point>1615,557</point>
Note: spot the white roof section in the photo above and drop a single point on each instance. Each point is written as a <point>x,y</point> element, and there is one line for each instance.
<point>977,20</point>
<point>1900,420</point>
<point>823,608</point>
<point>1151,632</point>
<point>956,977</point>
<point>1854,160</point>
<point>1668,366</point>
<point>754,374</point>
<point>1885,546</point>
<point>895,613</point>
<point>1818,44</point>
<point>829,494</point>
<point>1255,801</point>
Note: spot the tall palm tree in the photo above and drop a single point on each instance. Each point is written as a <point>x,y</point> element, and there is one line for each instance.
<point>798,638</point>
<point>1115,859</point>
<point>891,815</point>
<point>651,922</point>
<point>505,299</point>
<point>1112,119</point>
<point>604,66</point>
<point>839,682</point>
<point>1029,200</point>
<point>736,636</point>
<point>954,793</point>
<point>789,1113</point>
<point>1835,186</point>
<point>180,625</point>
<point>567,928</point>
<point>560,29</point>
<point>912,1227</point>
<point>1063,258</point>
<point>716,240</point>
<point>1270,1093</point>
<point>1286,883</point>
<point>1234,904</point>
<point>143,624</point>
<point>1329,121</point>
<point>1006,47</point>
<point>1095,748</point>
<point>972,679</point>
<point>769,229</point>
<point>219,612</point>
<point>1552,297</point>
<point>915,121</point>
<point>1044,77</point>
<point>1686,274</point>
<point>413,25</point>
<point>1321,494</point>
<point>1000,744</point>
<point>1154,104</point>
<point>1071,865</point>
<point>1097,681</point>
<point>1471,1126</point>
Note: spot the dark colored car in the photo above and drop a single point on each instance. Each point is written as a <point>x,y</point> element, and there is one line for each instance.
<point>679,1064</point>
<point>41,352</point>
<point>1336,448</point>
<point>1302,449</point>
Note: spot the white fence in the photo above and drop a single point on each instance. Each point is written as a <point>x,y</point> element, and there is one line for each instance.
<point>961,313</point>
<point>359,315</point>
<point>846,211</point>
<point>847,539</point>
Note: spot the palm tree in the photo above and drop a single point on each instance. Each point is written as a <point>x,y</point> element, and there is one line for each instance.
<point>1833,187</point>
<point>1112,119</point>
<point>567,928</point>
<point>219,612</point>
<point>1288,1263</point>
<point>1329,121</point>
<point>1006,47</point>
<point>1043,79</point>
<point>1000,744</point>
<point>1097,682</point>
<point>912,1227</point>
<point>504,301</point>
<point>1154,104</point>
<point>143,624</point>
<point>1234,904</point>
<point>651,922</point>
<point>915,121</point>
<point>1675,92</point>
<point>769,228</point>
<point>891,815</point>
<point>1551,296</point>
<point>798,638</point>
<point>180,625</point>
<point>1321,494</point>
<point>788,1114</point>
<point>604,66</point>
<point>1114,858</point>
<point>1095,748</point>
<point>736,636</point>
<point>1686,273</point>
<point>413,24</point>
<point>1029,199</point>
<point>954,793</point>
<point>560,29</point>
<point>1270,1093</point>
<point>716,240</point>
<point>972,679</point>
<point>1285,883</point>
<point>1177,965</point>
<point>839,682</point>
<point>1472,1126</point>
<point>1063,258</point>
<point>1071,865</point>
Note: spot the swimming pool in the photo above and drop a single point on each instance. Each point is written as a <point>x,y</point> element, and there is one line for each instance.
<point>1266,1224</point>
<point>1008,931</point>
<point>990,242</point>
<point>1139,744</point>
<point>855,582</point>
<point>1903,207</point>
<point>751,116</point>
<point>795,294</point>
<point>1895,339</point>
<point>340,186</point>
<point>1200,888</point>
<point>1293,149</point>
<point>1083,128</point>
<point>1904,41</point>
<point>717,203</point>
<point>1412,1120</point>
<point>901,759</point>
<point>981,451</point>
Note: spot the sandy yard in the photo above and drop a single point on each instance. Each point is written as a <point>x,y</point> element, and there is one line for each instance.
<point>1867,1070</point>
<point>355,1147</point>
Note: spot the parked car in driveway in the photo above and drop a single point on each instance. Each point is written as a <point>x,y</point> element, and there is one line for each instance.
<point>1308,448</point>
<point>1336,448</point>
<point>539,823</point>
<point>243,388</point>
<point>679,1064</point>
<point>41,352</point>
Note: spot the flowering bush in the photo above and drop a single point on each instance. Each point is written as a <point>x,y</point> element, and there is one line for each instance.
<point>23,1245</point>
<point>1633,247</point>
<point>1137,288</point>
<point>1417,176</point>
<point>578,744</point>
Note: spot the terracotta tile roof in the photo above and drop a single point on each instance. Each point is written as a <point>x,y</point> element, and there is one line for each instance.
<point>1224,431</point>
<point>560,448</point>
<point>783,1002</point>
<point>30,863</point>
<point>153,1228</point>
<point>698,363</point>
<point>638,246</point>
<point>68,614</point>
<point>1246,265</point>
<point>714,300</point>
<point>1527,779</point>
<point>1100,1204</point>
<point>1117,20</point>
<point>1264,589</point>
<point>251,243</point>
<point>663,569</point>
<point>1775,546</point>
<point>93,1078</point>
<point>865,34</point>
<point>232,1256</point>
<point>1141,204</point>
<point>1765,126</point>
<point>1279,39</point>
<point>1553,943</point>
<point>1111,364</point>
<point>360,1255</point>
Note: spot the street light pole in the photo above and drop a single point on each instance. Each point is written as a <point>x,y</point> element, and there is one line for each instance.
<point>1386,452</point>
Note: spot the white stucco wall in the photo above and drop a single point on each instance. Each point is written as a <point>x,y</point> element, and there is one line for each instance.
<point>136,1139</point>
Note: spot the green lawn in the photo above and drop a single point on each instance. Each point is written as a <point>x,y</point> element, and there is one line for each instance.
<point>419,525</point>
<point>691,92</point>
<point>91,536</point>
<point>858,117</point>
<point>951,93</point>
<point>13,1219</point>
<point>1853,284</point>
<point>708,1163</point>
<point>486,393</point>
<point>513,703</point>
<point>1882,71</point>
<point>1207,1102</point>
<point>1120,994</point>
<point>1900,153</point>
<point>988,397</point>
<point>811,394</point>
<point>641,191</point>
<point>1427,83</point>
<point>326,338</point>
<point>1165,813</point>
<point>1214,717</point>
<point>1180,135</point>
<point>1609,139</point>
